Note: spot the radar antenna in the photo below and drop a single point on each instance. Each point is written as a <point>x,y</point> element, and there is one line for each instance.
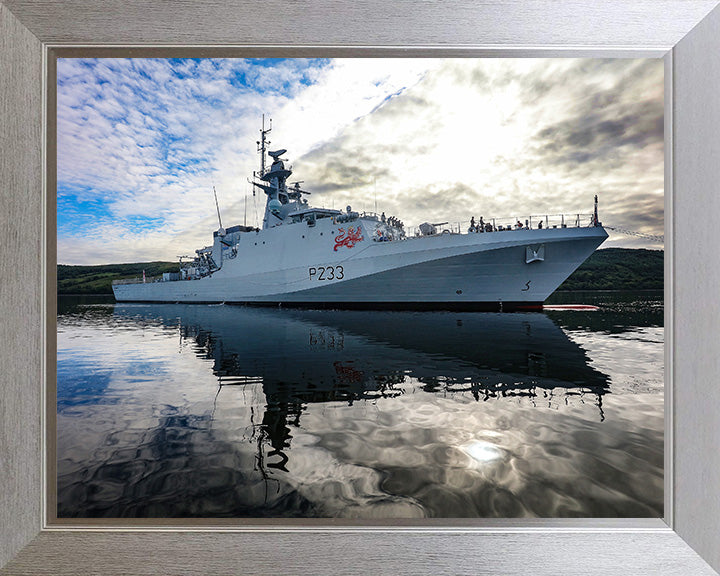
<point>276,154</point>
<point>295,189</point>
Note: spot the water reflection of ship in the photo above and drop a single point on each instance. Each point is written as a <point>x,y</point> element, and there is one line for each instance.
<point>301,357</point>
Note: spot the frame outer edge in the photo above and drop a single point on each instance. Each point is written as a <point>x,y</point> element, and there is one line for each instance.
<point>696,402</point>
<point>20,300</point>
<point>632,23</point>
<point>21,325</point>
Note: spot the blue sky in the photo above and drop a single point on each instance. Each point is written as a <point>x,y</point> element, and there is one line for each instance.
<point>142,142</point>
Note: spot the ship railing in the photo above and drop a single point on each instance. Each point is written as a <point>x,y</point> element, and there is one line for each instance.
<point>370,215</point>
<point>535,221</point>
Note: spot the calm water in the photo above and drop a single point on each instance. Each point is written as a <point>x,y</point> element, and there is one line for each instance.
<point>227,411</point>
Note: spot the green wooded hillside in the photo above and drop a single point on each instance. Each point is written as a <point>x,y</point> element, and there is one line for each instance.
<point>619,269</point>
<point>98,279</point>
<point>609,269</point>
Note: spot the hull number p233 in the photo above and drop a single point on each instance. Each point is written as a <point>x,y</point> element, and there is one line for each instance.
<point>326,273</point>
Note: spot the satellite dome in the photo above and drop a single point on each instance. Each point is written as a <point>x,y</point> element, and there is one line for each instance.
<point>274,206</point>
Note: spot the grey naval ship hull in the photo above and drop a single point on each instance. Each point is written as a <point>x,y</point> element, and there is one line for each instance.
<point>454,271</point>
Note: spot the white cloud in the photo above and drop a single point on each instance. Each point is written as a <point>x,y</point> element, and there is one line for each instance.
<point>437,139</point>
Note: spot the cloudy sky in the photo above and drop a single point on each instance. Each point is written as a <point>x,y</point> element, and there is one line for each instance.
<point>142,142</point>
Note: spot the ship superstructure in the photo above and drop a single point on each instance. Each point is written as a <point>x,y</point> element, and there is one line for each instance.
<point>319,257</point>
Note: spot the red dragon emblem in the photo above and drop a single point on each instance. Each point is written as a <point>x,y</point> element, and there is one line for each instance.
<point>353,236</point>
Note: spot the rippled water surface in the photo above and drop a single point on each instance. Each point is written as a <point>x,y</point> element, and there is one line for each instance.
<point>227,411</point>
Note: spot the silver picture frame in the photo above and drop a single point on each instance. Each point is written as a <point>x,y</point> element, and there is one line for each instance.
<point>684,32</point>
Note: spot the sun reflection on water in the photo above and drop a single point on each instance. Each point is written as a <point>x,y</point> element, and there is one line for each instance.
<point>482,451</point>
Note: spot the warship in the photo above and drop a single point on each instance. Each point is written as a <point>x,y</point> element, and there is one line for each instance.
<point>308,256</point>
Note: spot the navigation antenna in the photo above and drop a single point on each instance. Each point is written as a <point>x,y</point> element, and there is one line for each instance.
<point>217,206</point>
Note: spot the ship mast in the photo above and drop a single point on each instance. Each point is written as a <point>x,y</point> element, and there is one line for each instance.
<point>262,145</point>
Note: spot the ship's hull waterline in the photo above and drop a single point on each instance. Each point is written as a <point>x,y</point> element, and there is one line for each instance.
<point>502,270</point>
